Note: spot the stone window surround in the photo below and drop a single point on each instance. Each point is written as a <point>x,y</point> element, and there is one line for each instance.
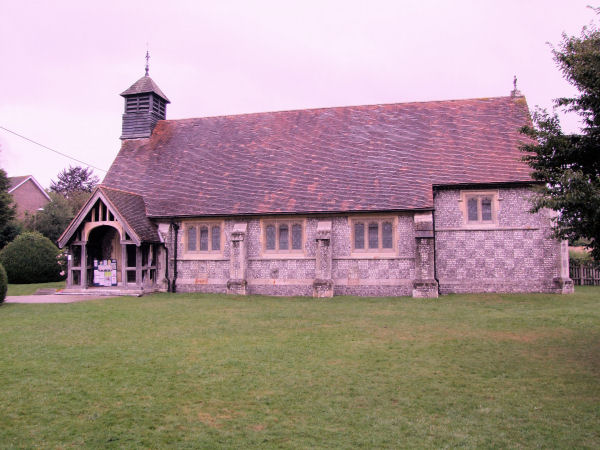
<point>203,254</point>
<point>374,252</point>
<point>277,222</point>
<point>465,195</point>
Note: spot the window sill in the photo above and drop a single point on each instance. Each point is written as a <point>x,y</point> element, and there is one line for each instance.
<point>372,255</point>
<point>269,256</point>
<point>485,228</point>
<point>201,257</point>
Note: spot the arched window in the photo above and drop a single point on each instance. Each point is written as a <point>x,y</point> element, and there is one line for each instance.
<point>283,236</point>
<point>203,237</point>
<point>373,234</point>
<point>191,239</point>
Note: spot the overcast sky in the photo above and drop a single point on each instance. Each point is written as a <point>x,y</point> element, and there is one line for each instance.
<point>64,63</point>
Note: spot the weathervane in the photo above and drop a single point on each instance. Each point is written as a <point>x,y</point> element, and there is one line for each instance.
<point>147,62</point>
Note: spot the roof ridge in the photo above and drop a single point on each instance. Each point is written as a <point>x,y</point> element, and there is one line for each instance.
<point>331,108</point>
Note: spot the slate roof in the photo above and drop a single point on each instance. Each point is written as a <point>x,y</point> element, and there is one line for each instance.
<point>143,85</point>
<point>133,210</point>
<point>359,158</point>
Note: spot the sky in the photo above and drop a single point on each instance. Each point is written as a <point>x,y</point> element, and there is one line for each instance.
<point>64,63</point>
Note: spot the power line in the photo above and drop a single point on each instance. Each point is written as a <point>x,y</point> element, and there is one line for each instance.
<point>52,150</point>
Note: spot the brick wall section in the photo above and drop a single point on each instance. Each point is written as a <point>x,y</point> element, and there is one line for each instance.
<point>28,198</point>
<point>517,255</point>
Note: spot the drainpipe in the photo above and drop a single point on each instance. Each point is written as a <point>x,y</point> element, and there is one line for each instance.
<point>435,275</point>
<point>174,282</point>
<point>167,268</point>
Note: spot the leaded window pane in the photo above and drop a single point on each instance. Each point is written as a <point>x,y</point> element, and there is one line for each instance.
<point>373,235</point>
<point>486,209</point>
<point>191,239</point>
<point>359,235</point>
<point>296,236</point>
<point>216,237</point>
<point>270,237</point>
<point>472,209</point>
<point>203,238</point>
<point>387,240</point>
<point>283,237</point>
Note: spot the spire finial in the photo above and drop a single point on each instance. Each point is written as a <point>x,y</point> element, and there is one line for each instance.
<point>515,92</point>
<point>147,62</point>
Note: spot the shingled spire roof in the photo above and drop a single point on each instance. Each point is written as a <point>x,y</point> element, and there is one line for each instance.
<point>145,85</point>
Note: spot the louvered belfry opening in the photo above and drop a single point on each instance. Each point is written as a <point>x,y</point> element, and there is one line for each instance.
<point>145,105</point>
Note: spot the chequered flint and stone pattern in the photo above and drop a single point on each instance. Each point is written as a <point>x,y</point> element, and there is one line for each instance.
<point>295,276</point>
<point>520,255</point>
<point>517,255</point>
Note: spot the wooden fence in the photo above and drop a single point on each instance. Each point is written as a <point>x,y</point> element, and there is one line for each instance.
<point>587,274</point>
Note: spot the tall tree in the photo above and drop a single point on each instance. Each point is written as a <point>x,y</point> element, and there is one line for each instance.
<point>9,229</point>
<point>54,218</point>
<point>7,205</point>
<point>569,164</point>
<point>73,180</point>
<point>68,195</point>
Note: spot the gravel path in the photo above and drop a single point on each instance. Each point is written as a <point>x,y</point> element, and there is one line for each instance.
<point>53,298</point>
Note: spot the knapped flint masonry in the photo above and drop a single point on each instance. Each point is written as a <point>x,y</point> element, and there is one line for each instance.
<point>397,199</point>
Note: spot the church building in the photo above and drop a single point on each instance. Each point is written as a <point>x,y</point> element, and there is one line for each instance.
<point>410,199</point>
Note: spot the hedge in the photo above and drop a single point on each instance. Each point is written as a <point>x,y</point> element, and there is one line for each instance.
<point>31,258</point>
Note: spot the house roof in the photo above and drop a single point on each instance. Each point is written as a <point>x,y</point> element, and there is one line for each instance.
<point>15,182</point>
<point>359,158</point>
<point>144,85</point>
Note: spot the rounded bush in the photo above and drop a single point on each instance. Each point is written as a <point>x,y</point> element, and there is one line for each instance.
<point>31,258</point>
<point>3,284</point>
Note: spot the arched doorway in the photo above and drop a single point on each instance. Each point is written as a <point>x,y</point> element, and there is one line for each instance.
<point>104,243</point>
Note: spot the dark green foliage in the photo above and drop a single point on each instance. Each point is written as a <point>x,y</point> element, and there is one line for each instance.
<point>56,215</point>
<point>3,283</point>
<point>569,165</point>
<point>31,258</point>
<point>8,228</point>
<point>7,206</point>
<point>74,179</point>
<point>9,232</point>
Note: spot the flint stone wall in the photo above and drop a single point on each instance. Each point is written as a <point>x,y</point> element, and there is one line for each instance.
<point>295,274</point>
<point>518,254</point>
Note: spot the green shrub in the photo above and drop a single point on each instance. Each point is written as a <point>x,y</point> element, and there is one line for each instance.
<point>580,256</point>
<point>31,258</point>
<point>3,283</point>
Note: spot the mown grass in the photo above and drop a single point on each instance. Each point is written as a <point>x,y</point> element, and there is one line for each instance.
<point>29,289</point>
<point>206,371</point>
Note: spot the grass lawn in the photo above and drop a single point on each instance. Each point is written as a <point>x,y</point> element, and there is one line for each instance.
<point>206,371</point>
<point>29,289</point>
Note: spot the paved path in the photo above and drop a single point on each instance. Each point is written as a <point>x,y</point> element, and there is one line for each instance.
<point>53,298</point>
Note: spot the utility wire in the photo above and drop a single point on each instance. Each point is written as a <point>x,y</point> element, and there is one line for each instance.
<point>52,150</point>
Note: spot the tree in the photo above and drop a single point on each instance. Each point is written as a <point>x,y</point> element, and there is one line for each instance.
<point>569,164</point>
<point>54,218</point>
<point>68,195</point>
<point>9,229</point>
<point>73,180</point>
<point>7,205</point>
